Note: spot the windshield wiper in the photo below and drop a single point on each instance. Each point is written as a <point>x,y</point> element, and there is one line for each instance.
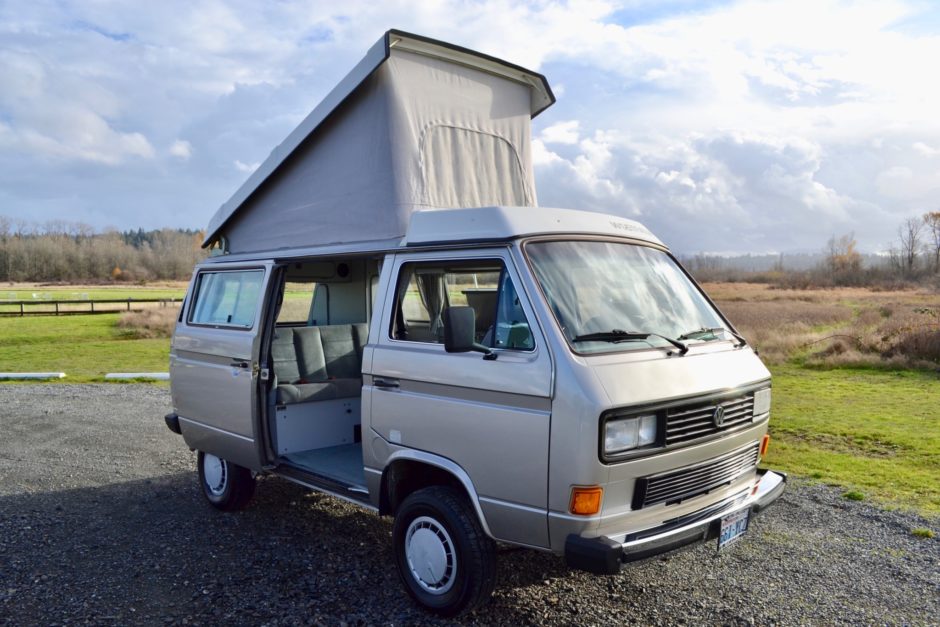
<point>698,333</point>
<point>617,335</point>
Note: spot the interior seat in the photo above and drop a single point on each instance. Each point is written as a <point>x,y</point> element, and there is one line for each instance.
<point>318,363</point>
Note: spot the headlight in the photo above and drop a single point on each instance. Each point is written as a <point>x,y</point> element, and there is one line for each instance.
<point>626,434</point>
<point>761,401</point>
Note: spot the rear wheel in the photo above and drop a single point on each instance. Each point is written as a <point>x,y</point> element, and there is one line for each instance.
<point>444,559</point>
<point>225,485</point>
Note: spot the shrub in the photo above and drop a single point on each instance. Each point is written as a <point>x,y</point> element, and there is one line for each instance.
<point>920,344</point>
<point>149,323</point>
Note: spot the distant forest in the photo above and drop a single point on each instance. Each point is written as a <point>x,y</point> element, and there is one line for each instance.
<point>913,259</point>
<point>75,252</point>
<point>71,251</point>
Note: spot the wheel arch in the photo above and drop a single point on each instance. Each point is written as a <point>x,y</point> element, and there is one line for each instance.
<point>407,471</point>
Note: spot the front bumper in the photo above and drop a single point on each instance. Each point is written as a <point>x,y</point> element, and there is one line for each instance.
<point>604,555</point>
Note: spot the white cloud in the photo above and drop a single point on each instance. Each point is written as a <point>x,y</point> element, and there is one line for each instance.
<point>181,149</point>
<point>49,124</point>
<point>561,133</point>
<point>767,124</point>
<point>541,155</point>
<point>925,150</point>
<point>791,120</point>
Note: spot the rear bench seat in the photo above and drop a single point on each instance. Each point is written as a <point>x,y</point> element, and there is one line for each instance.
<point>318,363</point>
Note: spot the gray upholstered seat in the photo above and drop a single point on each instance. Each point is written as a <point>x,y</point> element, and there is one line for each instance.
<point>318,363</point>
<point>327,390</point>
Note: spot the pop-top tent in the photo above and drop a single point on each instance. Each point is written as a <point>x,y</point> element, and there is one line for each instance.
<point>418,124</point>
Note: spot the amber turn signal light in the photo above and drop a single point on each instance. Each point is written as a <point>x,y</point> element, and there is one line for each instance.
<point>586,501</point>
<point>764,445</point>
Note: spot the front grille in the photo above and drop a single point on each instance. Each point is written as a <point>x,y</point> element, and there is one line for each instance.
<point>691,422</point>
<point>678,485</point>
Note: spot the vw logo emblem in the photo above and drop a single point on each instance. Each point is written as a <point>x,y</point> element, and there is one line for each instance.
<point>718,418</point>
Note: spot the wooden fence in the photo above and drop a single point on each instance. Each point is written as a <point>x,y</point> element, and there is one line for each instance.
<point>81,307</point>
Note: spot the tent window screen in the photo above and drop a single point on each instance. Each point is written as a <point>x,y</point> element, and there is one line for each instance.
<point>228,299</point>
<point>426,289</point>
<point>467,168</point>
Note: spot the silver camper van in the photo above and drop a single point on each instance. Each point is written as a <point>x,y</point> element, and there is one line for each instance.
<point>388,317</point>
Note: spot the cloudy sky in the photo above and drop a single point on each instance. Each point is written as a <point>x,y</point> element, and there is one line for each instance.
<point>724,126</point>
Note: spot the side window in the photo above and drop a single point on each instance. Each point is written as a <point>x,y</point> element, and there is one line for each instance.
<point>426,289</point>
<point>512,328</point>
<point>295,304</point>
<point>227,298</point>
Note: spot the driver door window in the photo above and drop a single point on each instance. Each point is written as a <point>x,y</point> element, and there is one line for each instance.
<point>426,289</point>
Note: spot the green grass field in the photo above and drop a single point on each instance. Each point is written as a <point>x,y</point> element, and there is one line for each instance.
<point>83,347</point>
<point>874,432</point>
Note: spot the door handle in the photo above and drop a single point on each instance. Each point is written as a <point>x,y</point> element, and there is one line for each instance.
<point>385,384</point>
<point>239,364</point>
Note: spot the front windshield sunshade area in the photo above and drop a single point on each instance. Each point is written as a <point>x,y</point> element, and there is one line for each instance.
<point>609,296</point>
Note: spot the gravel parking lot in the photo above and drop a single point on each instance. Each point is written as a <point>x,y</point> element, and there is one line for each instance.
<point>101,521</point>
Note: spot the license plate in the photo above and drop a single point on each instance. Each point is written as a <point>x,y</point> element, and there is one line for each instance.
<point>733,527</point>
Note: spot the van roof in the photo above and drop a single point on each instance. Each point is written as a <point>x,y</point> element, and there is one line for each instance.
<point>474,226</point>
<point>482,224</point>
<point>350,161</point>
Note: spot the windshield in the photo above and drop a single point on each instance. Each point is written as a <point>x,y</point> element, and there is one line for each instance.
<point>609,296</point>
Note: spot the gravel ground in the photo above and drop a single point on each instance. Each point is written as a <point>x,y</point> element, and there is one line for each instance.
<point>101,521</point>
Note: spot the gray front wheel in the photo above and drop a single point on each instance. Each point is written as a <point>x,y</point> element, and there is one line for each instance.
<point>445,560</point>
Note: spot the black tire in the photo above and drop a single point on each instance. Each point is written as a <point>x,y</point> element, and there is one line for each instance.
<point>443,514</point>
<point>231,486</point>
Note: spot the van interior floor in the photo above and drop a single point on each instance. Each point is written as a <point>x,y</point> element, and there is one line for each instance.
<point>341,463</point>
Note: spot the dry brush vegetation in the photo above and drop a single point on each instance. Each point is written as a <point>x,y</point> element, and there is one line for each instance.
<point>835,327</point>
<point>149,323</point>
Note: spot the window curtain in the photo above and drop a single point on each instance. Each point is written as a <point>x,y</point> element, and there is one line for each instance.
<point>433,292</point>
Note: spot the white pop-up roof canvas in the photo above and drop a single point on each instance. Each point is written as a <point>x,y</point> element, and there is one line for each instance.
<point>418,124</point>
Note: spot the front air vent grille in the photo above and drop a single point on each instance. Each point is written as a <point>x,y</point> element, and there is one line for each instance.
<point>685,483</point>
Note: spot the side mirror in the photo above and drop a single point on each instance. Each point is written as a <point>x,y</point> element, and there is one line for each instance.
<point>459,332</point>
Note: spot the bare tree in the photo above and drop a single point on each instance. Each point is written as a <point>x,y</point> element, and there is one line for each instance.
<point>843,261</point>
<point>909,238</point>
<point>23,228</point>
<point>932,225</point>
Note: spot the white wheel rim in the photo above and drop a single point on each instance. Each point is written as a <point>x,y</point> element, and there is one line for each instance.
<point>431,555</point>
<point>214,470</point>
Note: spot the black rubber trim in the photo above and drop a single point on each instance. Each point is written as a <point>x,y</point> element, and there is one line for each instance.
<point>600,556</point>
<point>173,423</point>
